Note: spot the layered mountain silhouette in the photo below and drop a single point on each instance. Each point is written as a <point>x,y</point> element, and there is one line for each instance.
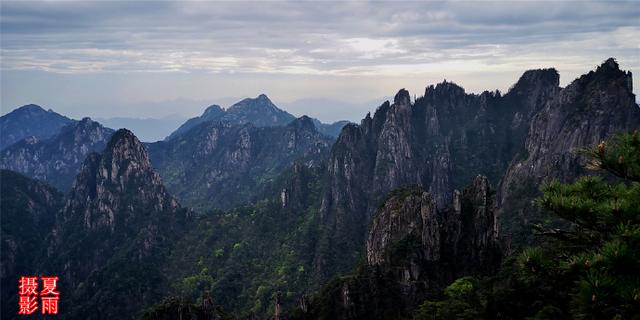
<point>259,111</point>
<point>57,159</point>
<point>30,121</point>
<point>221,165</point>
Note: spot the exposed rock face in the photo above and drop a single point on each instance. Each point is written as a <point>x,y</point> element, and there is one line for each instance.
<point>28,210</point>
<point>460,238</point>
<point>117,222</point>
<point>414,250</point>
<point>443,139</point>
<point>591,109</point>
<point>259,111</point>
<point>103,190</point>
<point>219,164</point>
<point>57,160</point>
<point>30,121</point>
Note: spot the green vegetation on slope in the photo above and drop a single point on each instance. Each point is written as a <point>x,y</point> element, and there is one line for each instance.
<point>587,270</point>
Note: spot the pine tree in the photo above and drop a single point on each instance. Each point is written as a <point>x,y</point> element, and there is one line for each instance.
<point>602,244</point>
<point>589,268</point>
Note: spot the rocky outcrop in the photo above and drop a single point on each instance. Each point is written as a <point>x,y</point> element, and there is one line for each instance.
<point>591,109</point>
<point>221,165</point>
<point>462,238</point>
<point>56,160</point>
<point>102,192</point>
<point>118,221</point>
<point>414,249</point>
<point>440,141</point>
<point>259,111</point>
<point>30,121</point>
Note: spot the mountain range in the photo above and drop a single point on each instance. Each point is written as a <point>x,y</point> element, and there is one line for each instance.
<point>54,154</point>
<point>259,111</point>
<point>248,212</point>
<point>27,121</point>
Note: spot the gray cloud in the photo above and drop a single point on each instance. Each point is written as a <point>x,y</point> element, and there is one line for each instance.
<point>314,42</point>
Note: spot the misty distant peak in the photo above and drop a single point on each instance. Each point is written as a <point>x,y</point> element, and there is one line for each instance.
<point>259,102</point>
<point>213,111</point>
<point>31,107</point>
<point>30,120</point>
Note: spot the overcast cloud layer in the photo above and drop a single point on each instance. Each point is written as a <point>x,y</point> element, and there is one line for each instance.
<point>150,59</point>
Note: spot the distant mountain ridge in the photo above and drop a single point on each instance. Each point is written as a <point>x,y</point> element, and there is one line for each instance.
<point>30,120</point>
<point>57,159</point>
<point>259,111</point>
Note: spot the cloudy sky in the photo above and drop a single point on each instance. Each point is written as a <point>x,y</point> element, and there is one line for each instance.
<point>331,60</point>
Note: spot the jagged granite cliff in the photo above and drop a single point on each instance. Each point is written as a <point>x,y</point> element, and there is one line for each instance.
<point>56,160</point>
<point>28,209</point>
<point>117,223</point>
<point>589,110</point>
<point>221,165</point>
<point>414,249</point>
<point>30,121</point>
<point>441,140</point>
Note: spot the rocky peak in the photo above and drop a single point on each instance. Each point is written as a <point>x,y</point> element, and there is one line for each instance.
<point>402,98</point>
<point>118,220</point>
<point>30,120</point>
<point>213,112</point>
<point>445,88</point>
<point>609,65</point>
<point>592,108</point>
<point>57,160</point>
<point>536,78</point>
<point>464,234</point>
<point>607,76</point>
<point>124,147</point>
<point>117,186</point>
<point>259,102</point>
<point>263,98</point>
<point>87,129</point>
<point>440,142</point>
<point>30,108</point>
